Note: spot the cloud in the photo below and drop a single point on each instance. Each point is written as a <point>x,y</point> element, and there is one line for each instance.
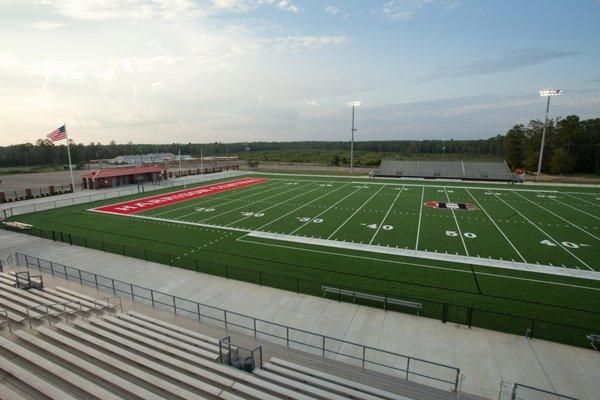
<point>402,10</point>
<point>509,60</point>
<point>297,43</point>
<point>333,10</point>
<point>244,6</point>
<point>47,25</point>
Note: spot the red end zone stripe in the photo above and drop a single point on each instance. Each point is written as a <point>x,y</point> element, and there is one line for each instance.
<point>148,203</point>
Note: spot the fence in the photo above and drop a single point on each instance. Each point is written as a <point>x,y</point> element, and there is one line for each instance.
<point>444,311</point>
<point>518,391</point>
<point>109,194</point>
<point>407,367</point>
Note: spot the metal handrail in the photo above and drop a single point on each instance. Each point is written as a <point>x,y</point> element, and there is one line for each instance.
<point>98,307</point>
<point>253,320</point>
<point>516,387</point>
<point>55,313</point>
<point>6,321</point>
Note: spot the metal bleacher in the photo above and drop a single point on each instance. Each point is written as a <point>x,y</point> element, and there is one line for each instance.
<point>465,170</point>
<point>102,352</point>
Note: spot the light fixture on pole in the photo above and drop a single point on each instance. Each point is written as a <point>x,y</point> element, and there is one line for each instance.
<point>353,104</point>
<point>545,93</point>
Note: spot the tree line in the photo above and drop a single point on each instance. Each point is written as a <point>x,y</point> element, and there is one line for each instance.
<point>572,146</point>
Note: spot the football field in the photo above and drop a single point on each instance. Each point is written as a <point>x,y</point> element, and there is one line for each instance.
<point>515,258</point>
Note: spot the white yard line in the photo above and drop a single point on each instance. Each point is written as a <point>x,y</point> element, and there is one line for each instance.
<point>304,205</point>
<point>420,216</point>
<point>462,238</point>
<point>545,233</point>
<point>556,215</point>
<point>497,227</point>
<point>386,215</point>
<point>576,209</point>
<point>195,203</point>
<point>450,258</point>
<point>254,202</point>
<point>355,212</point>
<point>276,205</point>
<point>585,201</point>
<point>323,212</point>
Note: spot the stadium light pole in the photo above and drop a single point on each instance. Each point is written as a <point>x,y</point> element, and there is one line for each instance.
<point>353,104</point>
<point>545,93</point>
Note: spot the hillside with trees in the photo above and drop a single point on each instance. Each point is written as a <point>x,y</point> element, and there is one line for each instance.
<point>572,146</point>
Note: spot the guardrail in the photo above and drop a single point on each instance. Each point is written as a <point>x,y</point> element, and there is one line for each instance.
<point>55,313</point>
<point>537,392</point>
<point>406,367</point>
<point>109,194</point>
<point>4,315</point>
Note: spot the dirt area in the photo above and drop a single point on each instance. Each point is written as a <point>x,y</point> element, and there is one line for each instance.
<point>21,182</point>
<point>308,168</point>
<point>564,179</point>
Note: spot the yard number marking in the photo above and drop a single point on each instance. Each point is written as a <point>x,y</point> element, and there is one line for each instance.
<point>570,245</point>
<point>468,235</point>
<point>309,219</point>
<point>205,209</point>
<point>253,214</point>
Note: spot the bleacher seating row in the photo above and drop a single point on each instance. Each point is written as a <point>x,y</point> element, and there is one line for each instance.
<point>489,171</point>
<point>111,354</point>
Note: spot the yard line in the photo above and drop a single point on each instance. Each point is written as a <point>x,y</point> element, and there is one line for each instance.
<point>541,230</point>
<point>216,198</point>
<point>296,209</point>
<point>323,212</point>
<point>575,208</point>
<point>420,215</point>
<point>386,215</point>
<point>566,220</point>
<point>462,239</point>
<point>276,205</point>
<point>579,198</point>
<point>254,202</point>
<point>496,225</point>
<point>354,213</point>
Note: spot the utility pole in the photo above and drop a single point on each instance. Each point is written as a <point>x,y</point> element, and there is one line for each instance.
<point>545,93</point>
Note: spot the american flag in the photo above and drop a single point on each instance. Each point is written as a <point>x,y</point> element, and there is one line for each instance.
<point>58,134</point>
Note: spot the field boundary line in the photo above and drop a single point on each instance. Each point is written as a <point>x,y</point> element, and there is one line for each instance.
<point>486,262</point>
<point>545,233</point>
<point>462,239</point>
<point>386,215</point>
<point>355,212</point>
<point>420,217</point>
<point>556,215</point>
<point>304,205</point>
<point>496,225</point>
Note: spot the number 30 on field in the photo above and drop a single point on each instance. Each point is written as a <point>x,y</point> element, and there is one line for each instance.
<point>468,235</point>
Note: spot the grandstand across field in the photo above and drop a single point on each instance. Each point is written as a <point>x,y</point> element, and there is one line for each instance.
<point>466,170</point>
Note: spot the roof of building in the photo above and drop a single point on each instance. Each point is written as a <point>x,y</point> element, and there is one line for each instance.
<point>112,172</point>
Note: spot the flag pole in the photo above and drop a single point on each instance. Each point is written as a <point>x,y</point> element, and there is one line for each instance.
<point>69,155</point>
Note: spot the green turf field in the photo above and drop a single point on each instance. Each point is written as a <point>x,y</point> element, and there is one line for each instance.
<point>381,236</point>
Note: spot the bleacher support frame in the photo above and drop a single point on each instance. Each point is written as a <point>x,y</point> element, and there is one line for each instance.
<point>288,336</point>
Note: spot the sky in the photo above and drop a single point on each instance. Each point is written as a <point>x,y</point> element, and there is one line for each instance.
<point>166,71</point>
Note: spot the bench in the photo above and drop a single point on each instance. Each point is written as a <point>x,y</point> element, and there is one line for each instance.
<point>17,225</point>
<point>88,367</point>
<point>34,307</point>
<point>67,297</point>
<point>369,296</point>
<point>180,344</point>
<point>101,303</point>
<point>169,333</point>
<point>11,316</point>
<point>299,386</point>
<point>67,376</point>
<point>175,328</point>
<point>341,381</point>
<point>33,380</point>
<point>7,393</point>
<point>114,362</point>
<point>173,362</point>
<point>320,383</point>
<point>56,299</point>
<point>18,308</point>
<point>594,340</point>
<point>39,299</point>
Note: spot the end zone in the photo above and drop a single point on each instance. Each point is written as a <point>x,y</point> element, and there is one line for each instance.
<point>149,203</point>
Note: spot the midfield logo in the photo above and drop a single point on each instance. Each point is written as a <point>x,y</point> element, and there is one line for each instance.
<point>451,206</point>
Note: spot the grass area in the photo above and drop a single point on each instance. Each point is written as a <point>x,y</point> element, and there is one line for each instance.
<point>533,225</point>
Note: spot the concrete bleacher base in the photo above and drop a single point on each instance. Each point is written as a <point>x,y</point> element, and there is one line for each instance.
<point>140,354</point>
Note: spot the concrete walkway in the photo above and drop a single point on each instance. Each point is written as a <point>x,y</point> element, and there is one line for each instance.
<point>485,357</point>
